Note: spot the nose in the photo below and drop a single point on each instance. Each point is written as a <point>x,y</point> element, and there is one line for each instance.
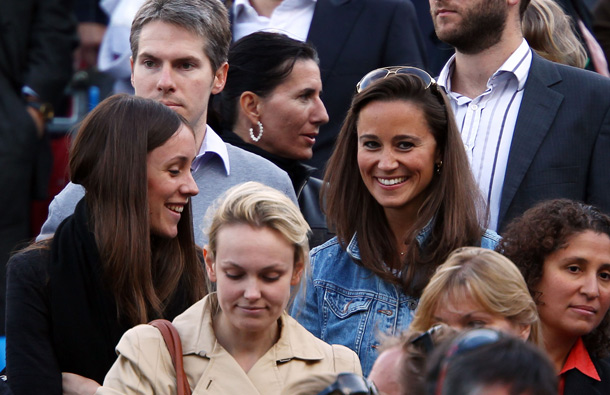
<point>166,79</point>
<point>189,187</point>
<point>252,291</point>
<point>387,160</point>
<point>590,286</point>
<point>319,115</point>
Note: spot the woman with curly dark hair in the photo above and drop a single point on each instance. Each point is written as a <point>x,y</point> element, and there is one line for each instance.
<point>562,248</point>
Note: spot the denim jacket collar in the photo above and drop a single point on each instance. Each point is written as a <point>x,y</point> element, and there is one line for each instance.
<point>354,251</point>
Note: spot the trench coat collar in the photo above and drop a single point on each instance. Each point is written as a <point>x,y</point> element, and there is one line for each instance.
<point>197,335</point>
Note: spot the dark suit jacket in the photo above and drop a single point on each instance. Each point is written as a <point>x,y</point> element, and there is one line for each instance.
<point>561,143</point>
<point>353,37</point>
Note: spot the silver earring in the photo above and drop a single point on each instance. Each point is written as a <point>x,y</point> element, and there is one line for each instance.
<point>260,132</point>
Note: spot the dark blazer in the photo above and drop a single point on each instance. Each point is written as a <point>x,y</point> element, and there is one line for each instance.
<point>561,142</point>
<point>353,37</point>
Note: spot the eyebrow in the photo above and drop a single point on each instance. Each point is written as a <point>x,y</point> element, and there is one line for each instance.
<point>184,59</point>
<point>307,91</point>
<point>237,266</point>
<point>398,137</point>
<point>465,316</point>
<point>180,158</point>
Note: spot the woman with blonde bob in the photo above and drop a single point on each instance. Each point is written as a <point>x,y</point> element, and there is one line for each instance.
<point>474,288</point>
<point>238,340</point>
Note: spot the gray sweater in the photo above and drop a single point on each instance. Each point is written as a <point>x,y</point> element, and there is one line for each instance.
<point>211,178</point>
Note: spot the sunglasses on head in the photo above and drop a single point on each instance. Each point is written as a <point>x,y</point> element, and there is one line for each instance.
<point>385,72</point>
<point>350,384</point>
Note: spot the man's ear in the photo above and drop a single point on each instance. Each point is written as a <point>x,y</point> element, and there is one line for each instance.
<point>250,106</point>
<point>220,78</point>
<point>210,265</point>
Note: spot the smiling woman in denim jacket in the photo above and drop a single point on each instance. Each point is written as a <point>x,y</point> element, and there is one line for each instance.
<point>401,197</point>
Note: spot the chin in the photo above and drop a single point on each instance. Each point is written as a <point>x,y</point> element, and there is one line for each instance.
<point>166,233</point>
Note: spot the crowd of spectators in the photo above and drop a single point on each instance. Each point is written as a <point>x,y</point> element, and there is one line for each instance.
<point>315,196</point>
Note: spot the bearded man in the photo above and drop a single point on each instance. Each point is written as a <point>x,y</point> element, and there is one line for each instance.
<point>533,130</point>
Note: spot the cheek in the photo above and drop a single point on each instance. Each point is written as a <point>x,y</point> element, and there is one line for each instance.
<point>227,291</point>
<point>364,161</point>
<point>604,295</point>
<point>280,293</point>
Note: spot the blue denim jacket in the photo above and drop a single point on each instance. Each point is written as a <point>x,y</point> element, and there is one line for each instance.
<point>347,304</point>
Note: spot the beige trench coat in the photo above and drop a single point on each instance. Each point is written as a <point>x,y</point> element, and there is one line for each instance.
<point>144,365</point>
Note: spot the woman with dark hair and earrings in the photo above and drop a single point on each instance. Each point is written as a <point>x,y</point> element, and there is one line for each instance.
<point>401,197</point>
<point>126,256</point>
<point>271,107</point>
<point>562,248</point>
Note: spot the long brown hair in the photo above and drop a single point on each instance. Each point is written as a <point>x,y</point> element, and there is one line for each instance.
<point>450,206</point>
<point>108,158</point>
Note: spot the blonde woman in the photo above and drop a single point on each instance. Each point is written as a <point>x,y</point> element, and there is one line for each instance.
<point>475,288</point>
<point>550,32</point>
<point>238,340</point>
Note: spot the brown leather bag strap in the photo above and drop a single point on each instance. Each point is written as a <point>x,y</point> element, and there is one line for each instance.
<point>174,345</point>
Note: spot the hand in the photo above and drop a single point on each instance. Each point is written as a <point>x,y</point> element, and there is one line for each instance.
<point>73,384</point>
<point>38,120</point>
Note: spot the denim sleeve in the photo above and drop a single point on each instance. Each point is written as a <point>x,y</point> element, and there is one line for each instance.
<point>305,308</point>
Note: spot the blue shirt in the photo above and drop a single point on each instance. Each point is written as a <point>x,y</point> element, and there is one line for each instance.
<point>345,303</point>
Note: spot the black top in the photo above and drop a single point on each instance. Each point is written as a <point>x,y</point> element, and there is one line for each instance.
<point>577,383</point>
<point>306,187</point>
<point>60,315</point>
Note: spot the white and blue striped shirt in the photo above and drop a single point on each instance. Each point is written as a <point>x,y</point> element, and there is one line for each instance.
<point>487,123</point>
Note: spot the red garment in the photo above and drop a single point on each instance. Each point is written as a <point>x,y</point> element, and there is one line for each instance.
<point>578,358</point>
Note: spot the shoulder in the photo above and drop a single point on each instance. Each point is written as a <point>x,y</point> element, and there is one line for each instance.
<point>346,360</point>
<point>242,160</point>
<point>193,322</point>
<point>309,347</point>
<point>329,251</point>
<point>330,246</point>
<point>61,207</point>
<point>29,264</point>
<point>246,166</point>
<point>558,74</point>
<point>142,342</point>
